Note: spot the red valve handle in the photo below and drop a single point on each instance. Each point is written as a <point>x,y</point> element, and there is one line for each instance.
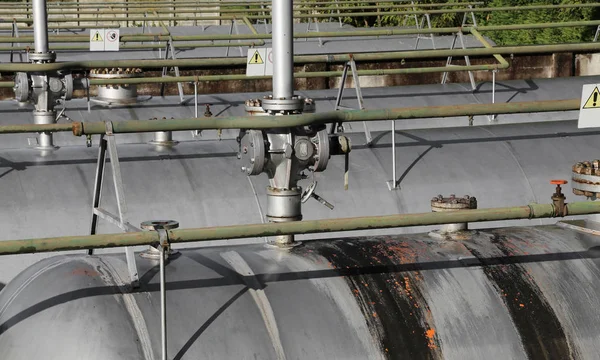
<point>558,182</point>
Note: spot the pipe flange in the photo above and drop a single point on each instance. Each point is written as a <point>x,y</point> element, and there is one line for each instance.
<point>254,108</point>
<point>452,203</point>
<point>323,151</point>
<point>295,104</point>
<point>43,57</point>
<point>252,152</point>
<point>585,178</point>
<point>21,87</point>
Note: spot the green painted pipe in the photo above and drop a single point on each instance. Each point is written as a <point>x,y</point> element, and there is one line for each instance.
<point>323,34</point>
<point>268,122</point>
<point>533,211</point>
<point>196,4</point>
<point>168,9</point>
<point>315,16</point>
<point>303,59</point>
<point>300,75</point>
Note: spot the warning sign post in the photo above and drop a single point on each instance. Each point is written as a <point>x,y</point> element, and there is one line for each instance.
<point>257,61</point>
<point>104,40</point>
<point>589,111</point>
<point>97,40</point>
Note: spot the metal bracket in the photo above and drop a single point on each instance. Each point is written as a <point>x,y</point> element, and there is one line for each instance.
<point>170,49</point>
<point>234,26</point>
<point>352,65</point>
<point>107,142</point>
<point>308,29</point>
<point>462,42</point>
<point>15,33</point>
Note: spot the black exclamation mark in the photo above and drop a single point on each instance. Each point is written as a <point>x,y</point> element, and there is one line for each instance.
<point>595,99</point>
<point>256,61</point>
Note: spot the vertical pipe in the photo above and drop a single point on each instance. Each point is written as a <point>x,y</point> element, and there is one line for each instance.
<point>196,100</point>
<point>283,49</point>
<point>163,304</point>
<point>40,26</point>
<point>394,154</point>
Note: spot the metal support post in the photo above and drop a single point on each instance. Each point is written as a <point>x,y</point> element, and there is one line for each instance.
<point>107,142</point>
<point>431,37</point>
<point>493,117</point>
<point>393,184</point>
<point>352,65</point>
<point>15,33</point>
<point>597,34</point>
<point>163,304</point>
<point>162,227</point>
<point>308,29</point>
<point>232,27</point>
<point>170,49</point>
<point>467,59</point>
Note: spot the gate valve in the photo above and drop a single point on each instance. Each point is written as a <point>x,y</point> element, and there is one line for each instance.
<point>558,198</point>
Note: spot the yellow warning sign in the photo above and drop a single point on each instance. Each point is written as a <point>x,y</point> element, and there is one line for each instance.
<point>97,37</point>
<point>256,58</point>
<point>594,100</point>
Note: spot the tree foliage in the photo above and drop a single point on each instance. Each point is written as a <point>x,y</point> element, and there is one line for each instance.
<point>505,17</point>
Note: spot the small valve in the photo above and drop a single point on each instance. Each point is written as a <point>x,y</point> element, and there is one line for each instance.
<point>88,140</point>
<point>310,192</point>
<point>558,198</point>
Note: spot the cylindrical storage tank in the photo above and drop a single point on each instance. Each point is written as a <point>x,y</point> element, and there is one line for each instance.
<point>511,293</point>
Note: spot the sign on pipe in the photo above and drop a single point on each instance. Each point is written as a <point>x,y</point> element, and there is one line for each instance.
<point>589,110</point>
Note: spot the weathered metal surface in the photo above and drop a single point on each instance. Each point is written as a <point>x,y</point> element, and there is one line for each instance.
<point>521,293</point>
<point>510,169</point>
<point>532,211</point>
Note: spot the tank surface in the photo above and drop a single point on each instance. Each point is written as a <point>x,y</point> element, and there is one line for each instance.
<point>510,293</point>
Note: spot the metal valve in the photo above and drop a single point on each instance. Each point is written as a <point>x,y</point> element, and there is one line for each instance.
<point>310,192</point>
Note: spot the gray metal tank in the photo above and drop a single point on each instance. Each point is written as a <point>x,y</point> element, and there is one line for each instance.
<point>198,182</point>
<point>510,293</point>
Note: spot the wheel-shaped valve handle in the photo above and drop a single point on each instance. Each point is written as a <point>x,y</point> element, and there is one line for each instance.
<point>558,182</point>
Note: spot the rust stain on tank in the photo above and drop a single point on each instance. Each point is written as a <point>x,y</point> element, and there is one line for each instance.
<point>391,299</point>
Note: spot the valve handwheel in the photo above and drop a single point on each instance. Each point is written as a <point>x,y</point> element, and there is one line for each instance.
<point>558,182</point>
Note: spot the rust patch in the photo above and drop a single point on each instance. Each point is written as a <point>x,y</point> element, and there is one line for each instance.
<point>85,272</point>
<point>77,128</point>
<point>391,300</point>
<point>540,330</point>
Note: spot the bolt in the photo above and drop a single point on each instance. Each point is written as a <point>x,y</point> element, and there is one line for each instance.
<point>243,168</point>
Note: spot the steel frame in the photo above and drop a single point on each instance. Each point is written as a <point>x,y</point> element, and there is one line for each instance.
<point>107,142</point>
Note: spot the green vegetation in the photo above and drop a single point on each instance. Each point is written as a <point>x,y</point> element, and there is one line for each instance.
<point>519,37</point>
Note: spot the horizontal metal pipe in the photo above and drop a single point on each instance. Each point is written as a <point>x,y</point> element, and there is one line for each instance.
<point>315,16</point>
<point>303,59</point>
<point>195,4</point>
<point>533,211</point>
<point>266,122</point>
<point>169,9</point>
<point>322,34</point>
<point>187,45</point>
